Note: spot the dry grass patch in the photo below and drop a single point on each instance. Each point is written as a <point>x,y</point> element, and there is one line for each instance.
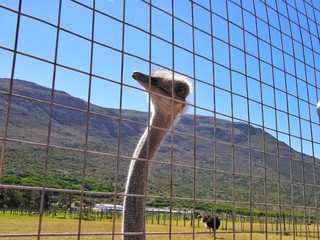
<point>98,230</point>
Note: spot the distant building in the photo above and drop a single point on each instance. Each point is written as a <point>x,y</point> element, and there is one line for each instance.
<point>107,207</point>
<point>110,207</point>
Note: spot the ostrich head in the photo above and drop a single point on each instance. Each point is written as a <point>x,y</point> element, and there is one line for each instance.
<point>168,92</point>
<point>205,218</point>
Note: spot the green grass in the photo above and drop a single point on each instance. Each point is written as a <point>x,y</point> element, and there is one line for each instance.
<point>16,224</point>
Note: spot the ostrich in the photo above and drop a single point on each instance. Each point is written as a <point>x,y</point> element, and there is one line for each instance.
<point>168,97</point>
<point>211,222</point>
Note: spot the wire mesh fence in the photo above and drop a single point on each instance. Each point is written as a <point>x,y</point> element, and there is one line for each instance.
<point>246,150</point>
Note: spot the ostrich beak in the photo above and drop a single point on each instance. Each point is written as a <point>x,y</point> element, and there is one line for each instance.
<point>155,85</point>
<point>140,77</point>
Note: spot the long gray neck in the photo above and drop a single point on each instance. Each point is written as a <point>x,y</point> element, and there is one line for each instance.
<point>134,206</point>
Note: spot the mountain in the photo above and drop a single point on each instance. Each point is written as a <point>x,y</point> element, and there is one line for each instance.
<point>211,158</point>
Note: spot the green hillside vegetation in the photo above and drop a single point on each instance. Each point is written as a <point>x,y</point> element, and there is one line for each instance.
<point>234,162</point>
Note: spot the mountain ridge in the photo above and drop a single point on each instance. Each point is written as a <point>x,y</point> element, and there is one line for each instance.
<point>218,159</point>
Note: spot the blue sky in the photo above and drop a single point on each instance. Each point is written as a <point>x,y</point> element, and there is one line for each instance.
<point>264,69</point>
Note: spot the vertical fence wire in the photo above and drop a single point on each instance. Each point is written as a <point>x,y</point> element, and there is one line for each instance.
<point>288,200</point>
<point>214,177</point>
<point>10,88</point>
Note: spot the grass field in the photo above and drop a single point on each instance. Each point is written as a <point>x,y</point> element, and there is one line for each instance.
<point>28,225</point>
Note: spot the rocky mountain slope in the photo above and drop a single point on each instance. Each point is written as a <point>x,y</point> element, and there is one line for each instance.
<point>203,158</point>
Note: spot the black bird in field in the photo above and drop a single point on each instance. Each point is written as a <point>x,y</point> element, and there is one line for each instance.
<point>211,222</point>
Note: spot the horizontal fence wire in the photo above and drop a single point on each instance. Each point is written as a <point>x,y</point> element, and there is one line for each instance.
<point>246,150</point>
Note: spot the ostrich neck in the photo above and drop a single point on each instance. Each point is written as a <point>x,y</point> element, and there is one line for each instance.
<point>153,137</point>
<point>134,206</point>
<point>147,147</point>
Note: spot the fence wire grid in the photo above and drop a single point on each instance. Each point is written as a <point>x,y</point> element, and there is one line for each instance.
<point>247,150</point>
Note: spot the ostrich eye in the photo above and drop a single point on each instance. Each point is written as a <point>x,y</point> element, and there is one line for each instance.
<point>180,90</point>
